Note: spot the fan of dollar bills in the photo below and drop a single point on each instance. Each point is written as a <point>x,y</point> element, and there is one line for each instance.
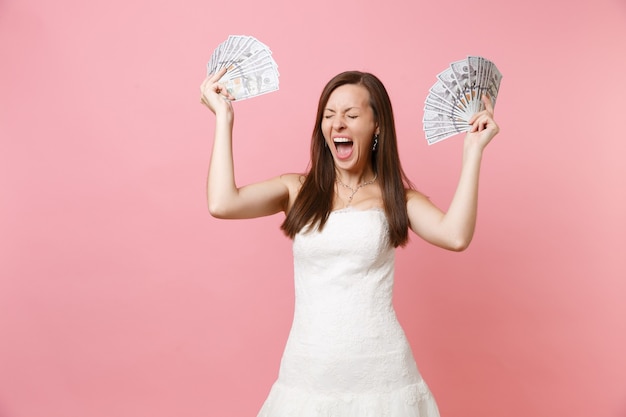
<point>250,68</point>
<point>456,97</point>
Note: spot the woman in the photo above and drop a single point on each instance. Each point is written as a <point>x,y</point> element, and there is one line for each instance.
<point>346,354</point>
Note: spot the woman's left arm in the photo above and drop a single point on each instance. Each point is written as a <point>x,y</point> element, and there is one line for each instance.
<point>454,229</point>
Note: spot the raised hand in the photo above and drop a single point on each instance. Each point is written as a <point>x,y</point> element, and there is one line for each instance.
<point>215,96</point>
<point>484,127</point>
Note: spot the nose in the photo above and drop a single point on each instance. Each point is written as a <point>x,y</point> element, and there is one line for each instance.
<point>338,123</point>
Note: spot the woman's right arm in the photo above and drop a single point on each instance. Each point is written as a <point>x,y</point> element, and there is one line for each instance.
<point>224,198</point>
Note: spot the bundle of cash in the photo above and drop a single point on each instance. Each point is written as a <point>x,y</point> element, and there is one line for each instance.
<point>250,68</point>
<point>456,97</point>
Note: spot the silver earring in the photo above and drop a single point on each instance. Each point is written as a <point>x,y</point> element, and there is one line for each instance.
<point>375,142</point>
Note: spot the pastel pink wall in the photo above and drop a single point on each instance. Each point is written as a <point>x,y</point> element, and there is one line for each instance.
<point>119,294</point>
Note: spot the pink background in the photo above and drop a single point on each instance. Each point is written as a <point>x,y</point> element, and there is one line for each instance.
<point>120,295</point>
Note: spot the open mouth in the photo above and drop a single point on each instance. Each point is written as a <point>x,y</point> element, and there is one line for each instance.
<point>343,147</point>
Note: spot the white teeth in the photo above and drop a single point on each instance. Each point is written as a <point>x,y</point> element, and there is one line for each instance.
<point>342,140</point>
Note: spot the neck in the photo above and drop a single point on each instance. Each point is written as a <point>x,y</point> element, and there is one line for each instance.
<point>354,181</point>
<point>354,189</point>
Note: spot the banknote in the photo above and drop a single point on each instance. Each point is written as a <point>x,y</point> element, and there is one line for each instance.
<point>449,82</point>
<point>250,67</point>
<point>252,84</point>
<point>433,118</point>
<point>457,95</point>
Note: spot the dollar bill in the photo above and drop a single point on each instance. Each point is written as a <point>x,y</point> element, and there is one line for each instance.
<point>252,84</point>
<point>250,68</point>
<point>457,95</point>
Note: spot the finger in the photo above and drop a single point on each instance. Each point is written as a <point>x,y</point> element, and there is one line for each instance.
<point>487,102</point>
<point>219,74</point>
<point>203,85</point>
<point>475,117</point>
<point>481,122</point>
<point>211,79</point>
<point>475,126</point>
<point>223,91</point>
<point>208,87</point>
<point>206,83</point>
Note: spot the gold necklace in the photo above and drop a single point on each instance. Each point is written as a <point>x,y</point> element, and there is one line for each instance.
<point>354,190</point>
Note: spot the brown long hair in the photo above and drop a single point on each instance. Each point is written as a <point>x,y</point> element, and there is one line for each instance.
<point>314,201</point>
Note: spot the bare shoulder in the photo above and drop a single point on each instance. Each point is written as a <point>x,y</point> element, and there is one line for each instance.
<point>293,181</point>
<point>293,178</point>
<point>419,205</point>
<point>414,196</point>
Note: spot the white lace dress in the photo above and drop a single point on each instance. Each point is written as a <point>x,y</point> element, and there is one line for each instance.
<point>347,355</point>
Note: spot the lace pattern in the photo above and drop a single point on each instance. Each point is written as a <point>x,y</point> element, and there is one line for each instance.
<point>347,355</point>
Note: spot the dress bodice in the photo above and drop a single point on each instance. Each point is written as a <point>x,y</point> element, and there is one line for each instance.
<point>344,283</point>
<point>352,244</point>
